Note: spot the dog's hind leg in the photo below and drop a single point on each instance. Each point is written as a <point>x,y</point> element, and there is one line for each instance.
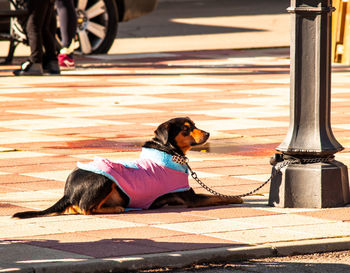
<point>112,203</point>
<point>109,210</point>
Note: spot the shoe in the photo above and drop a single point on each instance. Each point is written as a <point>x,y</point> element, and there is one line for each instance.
<point>51,67</point>
<point>29,69</point>
<point>65,61</point>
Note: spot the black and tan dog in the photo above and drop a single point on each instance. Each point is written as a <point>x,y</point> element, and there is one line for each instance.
<point>88,191</point>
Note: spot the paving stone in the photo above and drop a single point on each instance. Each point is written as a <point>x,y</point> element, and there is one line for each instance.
<point>47,124</point>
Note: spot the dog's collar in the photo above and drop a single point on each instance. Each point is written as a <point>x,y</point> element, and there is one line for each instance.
<point>164,159</point>
<point>180,159</point>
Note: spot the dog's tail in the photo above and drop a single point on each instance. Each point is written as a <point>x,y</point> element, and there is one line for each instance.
<point>58,208</point>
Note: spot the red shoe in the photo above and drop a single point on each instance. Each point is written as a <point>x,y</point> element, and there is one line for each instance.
<point>65,62</point>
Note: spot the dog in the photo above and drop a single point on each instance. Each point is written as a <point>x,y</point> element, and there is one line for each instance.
<point>105,187</point>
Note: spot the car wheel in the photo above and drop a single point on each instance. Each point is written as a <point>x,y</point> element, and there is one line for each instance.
<point>97,25</point>
<point>16,25</point>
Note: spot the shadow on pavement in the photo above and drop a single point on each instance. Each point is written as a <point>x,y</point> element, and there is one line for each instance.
<point>115,247</point>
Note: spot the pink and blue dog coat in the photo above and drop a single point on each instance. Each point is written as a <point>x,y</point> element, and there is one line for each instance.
<point>145,179</point>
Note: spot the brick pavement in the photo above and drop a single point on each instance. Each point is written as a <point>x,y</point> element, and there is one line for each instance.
<point>108,107</point>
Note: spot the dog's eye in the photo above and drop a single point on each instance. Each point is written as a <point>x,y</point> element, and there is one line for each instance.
<point>186,130</point>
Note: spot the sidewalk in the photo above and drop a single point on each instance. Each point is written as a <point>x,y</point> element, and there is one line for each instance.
<point>241,97</point>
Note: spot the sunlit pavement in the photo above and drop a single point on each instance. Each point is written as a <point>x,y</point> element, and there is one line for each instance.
<point>108,107</point>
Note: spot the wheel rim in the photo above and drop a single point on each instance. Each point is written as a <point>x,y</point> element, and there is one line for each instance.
<point>16,28</point>
<point>92,18</point>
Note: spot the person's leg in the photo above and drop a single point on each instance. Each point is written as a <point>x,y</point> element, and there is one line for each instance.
<point>50,62</point>
<point>36,9</point>
<point>68,21</point>
<point>49,32</point>
<point>68,24</point>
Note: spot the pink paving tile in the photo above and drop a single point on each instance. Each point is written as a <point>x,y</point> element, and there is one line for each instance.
<point>7,209</point>
<point>29,104</point>
<point>182,214</point>
<point>79,83</point>
<point>215,182</point>
<point>95,244</point>
<point>233,189</point>
<point>190,242</point>
<point>36,160</point>
<point>18,183</point>
<point>115,248</point>
<point>256,132</point>
<point>101,143</point>
<point>155,118</point>
<point>337,214</point>
<point>144,232</point>
<point>184,106</point>
<point>103,132</point>
<point>8,179</point>
<point>159,216</point>
<point>61,148</point>
<point>69,92</point>
<point>39,167</point>
<point>226,212</point>
<point>226,182</point>
<point>54,239</point>
<point>2,129</point>
<point>102,248</point>
<point>341,120</point>
<point>227,161</point>
<point>266,149</point>
<point>4,189</point>
<point>341,95</point>
<point>122,242</point>
<point>207,95</point>
<point>242,189</point>
<point>236,170</point>
<point>282,118</point>
<point>7,116</point>
<point>32,186</point>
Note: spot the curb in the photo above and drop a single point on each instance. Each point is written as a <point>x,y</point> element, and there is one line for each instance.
<point>312,246</point>
<point>181,259</point>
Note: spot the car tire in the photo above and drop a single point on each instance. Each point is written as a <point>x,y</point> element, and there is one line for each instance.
<point>17,23</point>
<point>97,25</point>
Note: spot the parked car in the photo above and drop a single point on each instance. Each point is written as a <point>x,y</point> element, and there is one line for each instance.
<point>97,21</point>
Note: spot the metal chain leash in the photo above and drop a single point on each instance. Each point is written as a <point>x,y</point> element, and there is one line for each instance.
<point>277,161</point>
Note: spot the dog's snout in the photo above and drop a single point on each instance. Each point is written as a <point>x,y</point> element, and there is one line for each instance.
<point>206,135</point>
<point>200,136</point>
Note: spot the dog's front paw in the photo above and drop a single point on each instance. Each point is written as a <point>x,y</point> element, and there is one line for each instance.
<point>109,210</point>
<point>237,200</point>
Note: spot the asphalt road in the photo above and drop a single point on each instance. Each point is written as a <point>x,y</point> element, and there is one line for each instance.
<point>180,25</point>
<point>335,262</point>
<point>162,22</point>
<point>190,25</point>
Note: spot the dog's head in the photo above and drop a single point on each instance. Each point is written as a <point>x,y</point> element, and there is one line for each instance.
<point>180,135</point>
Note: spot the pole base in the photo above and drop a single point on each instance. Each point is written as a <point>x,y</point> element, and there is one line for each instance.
<point>316,185</point>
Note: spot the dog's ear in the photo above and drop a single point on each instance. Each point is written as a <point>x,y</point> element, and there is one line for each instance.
<point>162,133</point>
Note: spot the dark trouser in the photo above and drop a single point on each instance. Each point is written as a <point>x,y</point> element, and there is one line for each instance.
<point>41,28</point>
<point>68,20</point>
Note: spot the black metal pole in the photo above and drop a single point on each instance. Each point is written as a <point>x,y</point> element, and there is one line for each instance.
<point>310,134</point>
